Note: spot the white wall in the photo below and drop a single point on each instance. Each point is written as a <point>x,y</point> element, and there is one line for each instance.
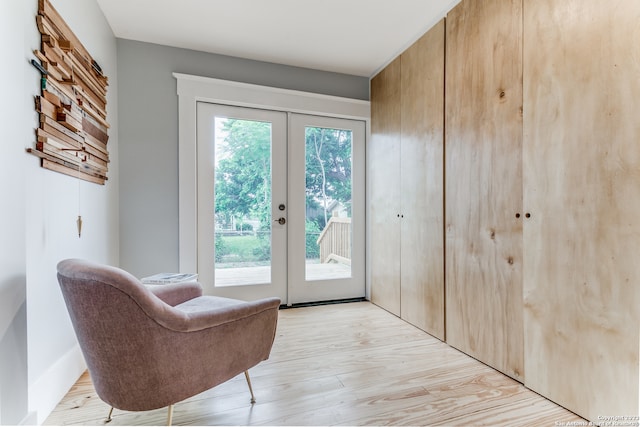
<point>39,357</point>
<point>13,342</point>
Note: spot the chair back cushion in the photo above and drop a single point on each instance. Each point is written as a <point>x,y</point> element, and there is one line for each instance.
<point>112,315</point>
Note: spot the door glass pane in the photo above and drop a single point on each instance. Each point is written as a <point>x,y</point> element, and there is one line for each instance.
<point>328,203</point>
<point>242,202</point>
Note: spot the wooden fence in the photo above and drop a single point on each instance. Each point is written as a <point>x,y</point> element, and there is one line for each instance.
<point>335,241</point>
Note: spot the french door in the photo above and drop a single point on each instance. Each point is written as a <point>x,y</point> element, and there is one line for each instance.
<point>280,204</point>
<point>326,208</point>
<point>241,182</point>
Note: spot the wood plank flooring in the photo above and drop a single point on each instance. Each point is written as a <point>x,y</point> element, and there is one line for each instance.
<point>346,364</point>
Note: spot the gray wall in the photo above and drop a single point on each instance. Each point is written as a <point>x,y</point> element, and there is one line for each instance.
<point>148,136</point>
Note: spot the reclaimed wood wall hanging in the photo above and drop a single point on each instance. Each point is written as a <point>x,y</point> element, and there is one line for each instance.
<point>73,130</point>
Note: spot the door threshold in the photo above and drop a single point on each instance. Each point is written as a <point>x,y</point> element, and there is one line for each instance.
<point>316,303</point>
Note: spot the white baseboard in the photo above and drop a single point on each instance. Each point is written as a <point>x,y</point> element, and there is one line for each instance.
<point>47,391</point>
<point>30,420</point>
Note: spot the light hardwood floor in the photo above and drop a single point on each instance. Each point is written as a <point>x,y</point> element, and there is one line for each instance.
<point>346,364</point>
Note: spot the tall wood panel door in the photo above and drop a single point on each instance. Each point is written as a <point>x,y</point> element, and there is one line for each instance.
<point>483,180</point>
<point>582,188</point>
<point>422,215</point>
<point>383,165</point>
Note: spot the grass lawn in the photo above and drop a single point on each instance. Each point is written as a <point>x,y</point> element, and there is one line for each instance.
<point>244,249</point>
<point>235,250</point>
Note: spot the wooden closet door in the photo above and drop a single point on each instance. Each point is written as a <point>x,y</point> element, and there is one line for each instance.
<point>383,170</point>
<point>582,187</point>
<point>484,182</point>
<point>422,241</point>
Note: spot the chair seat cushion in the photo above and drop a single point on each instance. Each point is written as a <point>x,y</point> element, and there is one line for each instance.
<point>207,303</point>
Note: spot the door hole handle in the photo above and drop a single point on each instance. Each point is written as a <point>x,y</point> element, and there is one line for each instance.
<point>280,221</point>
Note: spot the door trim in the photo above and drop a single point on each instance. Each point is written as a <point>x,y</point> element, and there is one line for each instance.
<point>206,268</point>
<point>192,89</point>
<point>301,289</point>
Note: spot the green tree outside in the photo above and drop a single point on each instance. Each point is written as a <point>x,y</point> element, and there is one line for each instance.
<point>328,164</point>
<point>243,172</point>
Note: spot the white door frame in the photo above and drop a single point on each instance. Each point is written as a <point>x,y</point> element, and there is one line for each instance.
<point>193,89</point>
<point>277,285</point>
<point>300,289</point>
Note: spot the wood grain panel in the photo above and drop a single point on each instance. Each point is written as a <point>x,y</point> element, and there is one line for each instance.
<point>73,86</point>
<point>422,146</point>
<point>582,187</point>
<point>483,164</point>
<point>384,188</point>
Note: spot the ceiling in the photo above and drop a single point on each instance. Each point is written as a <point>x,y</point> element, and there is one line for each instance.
<point>355,37</point>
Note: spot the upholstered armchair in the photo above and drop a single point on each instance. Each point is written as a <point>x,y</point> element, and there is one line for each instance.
<point>148,347</point>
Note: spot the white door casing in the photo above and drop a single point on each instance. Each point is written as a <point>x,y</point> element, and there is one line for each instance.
<point>301,289</point>
<point>192,90</point>
<point>276,284</point>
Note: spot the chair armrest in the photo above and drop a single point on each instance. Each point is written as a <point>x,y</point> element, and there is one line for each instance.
<point>208,312</point>
<point>176,293</point>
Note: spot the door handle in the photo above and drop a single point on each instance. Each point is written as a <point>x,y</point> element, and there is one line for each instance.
<point>280,221</point>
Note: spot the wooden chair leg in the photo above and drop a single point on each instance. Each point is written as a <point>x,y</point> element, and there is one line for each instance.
<point>246,375</point>
<point>170,415</point>
<point>109,418</point>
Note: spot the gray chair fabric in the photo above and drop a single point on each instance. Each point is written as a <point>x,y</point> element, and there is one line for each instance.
<point>148,347</point>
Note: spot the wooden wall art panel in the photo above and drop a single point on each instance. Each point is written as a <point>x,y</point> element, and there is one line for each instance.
<point>582,187</point>
<point>73,132</point>
<point>483,164</point>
